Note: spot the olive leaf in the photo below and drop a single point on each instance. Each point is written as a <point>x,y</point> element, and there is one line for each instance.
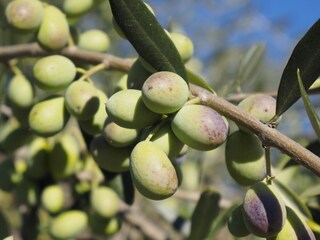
<point>306,57</point>
<point>199,81</point>
<point>204,214</point>
<point>313,117</point>
<point>250,63</point>
<point>147,36</point>
<point>292,200</point>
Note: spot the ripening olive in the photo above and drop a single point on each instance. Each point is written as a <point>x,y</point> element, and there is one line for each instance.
<point>94,40</point>
<point>261,106</point>
<point>54,29</point>
<point>167,141</point>
<point>76,8</point>
<point>13,135</point>
<point>152,171</point>
<point>95,124</point>
<point>244,156</point>
<point>127,109</point>
<point>21,91</point>
<point>118,136</point>
<point>264,211</point>
<point>104,226</point>
<point>48,117</point>
<point>25,14</point>
<point>104,201</point>
<point>69,224</point>
<point>38,153</point>
<point>54,73</point>
<point>137,75</point>
<point>295,228</point>
<point>64,156</point>
<point>165,92</point>
<point>52,198</point>
<point>199,127</point>
<point>110,158</point>
<point>82,100</point>
<point>28,192</point>
<point>236,223</point>
<point>183,44</point>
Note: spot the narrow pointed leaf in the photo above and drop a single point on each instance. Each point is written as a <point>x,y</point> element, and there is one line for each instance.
<point>251,62</point>
<point>147,36</point>
<point>306,57</point>
<point>292,200</point>
<point>206,211</point>
<point>197,80</point>
<point>313,117</point>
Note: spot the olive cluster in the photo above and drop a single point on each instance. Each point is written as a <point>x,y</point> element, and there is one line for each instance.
<point>142,128</point>
<point>265,212</point>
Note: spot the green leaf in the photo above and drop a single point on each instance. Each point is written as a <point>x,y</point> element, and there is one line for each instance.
<point>221,221</point>
<point>291,199</point>
<point>306,57</point>
<point>206,211</point>
<point>313,117</point>
<point>250,63</point>
<point>147,36</point>
<point>199,81</point>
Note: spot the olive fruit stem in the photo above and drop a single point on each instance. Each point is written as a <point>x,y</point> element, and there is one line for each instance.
<point>157,127</point>
<point>92,71</point>
<point>268,164</point>
<point>268,135</point>
<point>14,68</point>
<point>195,100</point>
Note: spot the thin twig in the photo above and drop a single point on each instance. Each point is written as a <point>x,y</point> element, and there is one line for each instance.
<point>269,136</point>
<point>34,50</point>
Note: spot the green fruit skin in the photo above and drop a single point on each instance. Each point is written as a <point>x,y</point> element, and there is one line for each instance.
<point>295,228</point>
<point>7,170</point>
<point>137,75</point>
<point>82,100</point>
<point>183,44</point>
<point>94,40</point>
<point>236,223</point>
<point>122,83</point>
<point>261,106</point>
<point>104,226</point>
<point>21,92</point>
<point>64,157</point>
<point>54,73</point>
<point>25,14</point>
<point>54,30</point>
<point>118,136</point>
<point>95,124</point>
<point>152,171</point>
<point>104,201</point>
<point>264,211</point>
<point>38,153</point>
<point>127,109</point>
<point>244,156</point>
<point>199,127</point>
<point>167,141</point>
<point>52,198</point>
<point>48,117</point>
<point>110,158</point>
<point>77,8</point>
<point>27,192</point>
<point>165,92</point>
<point>69,224</point>
<point>13,135</point>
